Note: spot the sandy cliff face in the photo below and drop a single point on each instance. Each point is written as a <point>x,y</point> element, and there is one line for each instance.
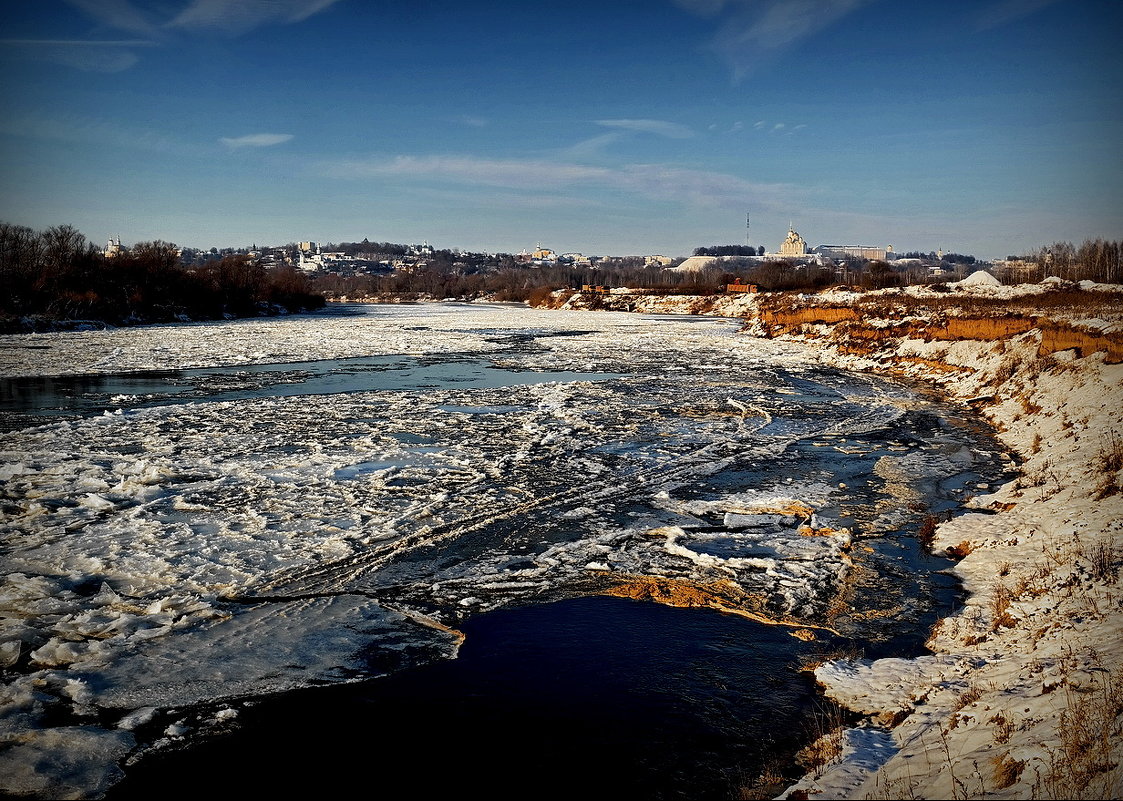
<point>863,328</point>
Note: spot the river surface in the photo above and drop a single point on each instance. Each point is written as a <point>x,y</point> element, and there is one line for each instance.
<point>430,540</point>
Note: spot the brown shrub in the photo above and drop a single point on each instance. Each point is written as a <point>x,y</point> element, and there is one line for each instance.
<point>961,550</point>
<point>1007,771</point>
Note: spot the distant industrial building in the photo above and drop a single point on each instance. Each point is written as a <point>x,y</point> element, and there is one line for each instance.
<point>847,252</point>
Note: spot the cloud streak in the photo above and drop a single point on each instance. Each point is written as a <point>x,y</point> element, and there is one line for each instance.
<point>754,30</point>
<point>119,15</point>
<point>255,140</point>
<point>670,130</point>
<point>222,17</point>
<point>649,181</point>
<point>1007,11</point>
<point>235,17</point>
<point>64,127</point>
<point>106,56</point>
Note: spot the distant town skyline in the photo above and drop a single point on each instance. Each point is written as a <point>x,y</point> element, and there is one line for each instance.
<point>989,128</point>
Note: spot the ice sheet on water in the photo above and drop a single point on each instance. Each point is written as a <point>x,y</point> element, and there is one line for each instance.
<point>271,647</point>
<point>81,760</point>
<point>128,535</point>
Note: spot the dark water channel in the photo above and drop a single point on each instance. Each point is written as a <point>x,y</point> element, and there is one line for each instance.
<point>585,698</point>
<point>26,400</point>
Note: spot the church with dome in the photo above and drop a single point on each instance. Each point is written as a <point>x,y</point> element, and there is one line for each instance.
<point>794,245</point>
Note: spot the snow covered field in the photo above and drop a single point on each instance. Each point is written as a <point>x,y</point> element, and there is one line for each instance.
<point>164,562</point>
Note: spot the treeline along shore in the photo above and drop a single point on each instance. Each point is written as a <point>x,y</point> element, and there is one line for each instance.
<point>55,278</point>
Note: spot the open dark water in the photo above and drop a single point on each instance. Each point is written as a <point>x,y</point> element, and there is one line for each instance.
<point>24,398</point>
<point>584,698</point>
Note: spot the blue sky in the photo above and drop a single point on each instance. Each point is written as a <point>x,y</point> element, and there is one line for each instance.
<point>631,127</point>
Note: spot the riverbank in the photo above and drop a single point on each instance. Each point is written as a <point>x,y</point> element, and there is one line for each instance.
<point>1021,696</point>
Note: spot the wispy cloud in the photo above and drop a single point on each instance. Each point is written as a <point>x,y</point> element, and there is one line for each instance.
<point>649,181</point>
<point>255,140</point>
<point>221,17</point>
<point>67,127</point>
<point>87,55</point>
<point>1003,13</point>
<point>594,145</point>
<point>778,127</point>
<point>671,130</point>
<point>120,15</point>
<point>235,17</point>
<point>754,30</point>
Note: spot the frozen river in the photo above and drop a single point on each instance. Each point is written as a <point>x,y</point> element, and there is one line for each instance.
<point>196,516</point>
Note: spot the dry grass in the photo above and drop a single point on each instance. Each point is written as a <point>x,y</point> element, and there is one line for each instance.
<point>1003,729</point>
<point>1056,300</point>
<point>1000,608</point>
<point>927,531</point>
<point>1109,463</point>
<point>966,698</point>
<point>1083,767</point>
<point>1102,557</point>
<point>825,728</point>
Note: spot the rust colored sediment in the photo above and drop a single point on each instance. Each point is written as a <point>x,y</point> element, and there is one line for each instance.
<point>1060,336</point>
<point>724,596</point>
<point>861,337</point>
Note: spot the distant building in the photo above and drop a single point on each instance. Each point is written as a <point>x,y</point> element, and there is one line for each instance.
<point>310,262</point>
<point>1018,271</point>
<point>543,254</point>
<point>846,252</point>
<point>307,247</point>
<point>113,248</point>
<point>794,245</point>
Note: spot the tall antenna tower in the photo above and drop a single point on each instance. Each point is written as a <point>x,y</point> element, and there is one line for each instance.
<point>747,240</point>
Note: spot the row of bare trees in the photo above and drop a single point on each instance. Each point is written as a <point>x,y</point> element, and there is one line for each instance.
<point>57,274</point>
<point>1096,260</point>
<point>440,280</point>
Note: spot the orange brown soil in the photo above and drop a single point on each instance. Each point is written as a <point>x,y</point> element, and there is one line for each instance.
<point>724,596</point>
<point>861,338</point>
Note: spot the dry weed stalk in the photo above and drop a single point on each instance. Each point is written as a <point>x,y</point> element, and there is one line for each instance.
<point>826,728</point>
<point>1000,608</point>
<point>1108,465</point>
<point>1089,724</point>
